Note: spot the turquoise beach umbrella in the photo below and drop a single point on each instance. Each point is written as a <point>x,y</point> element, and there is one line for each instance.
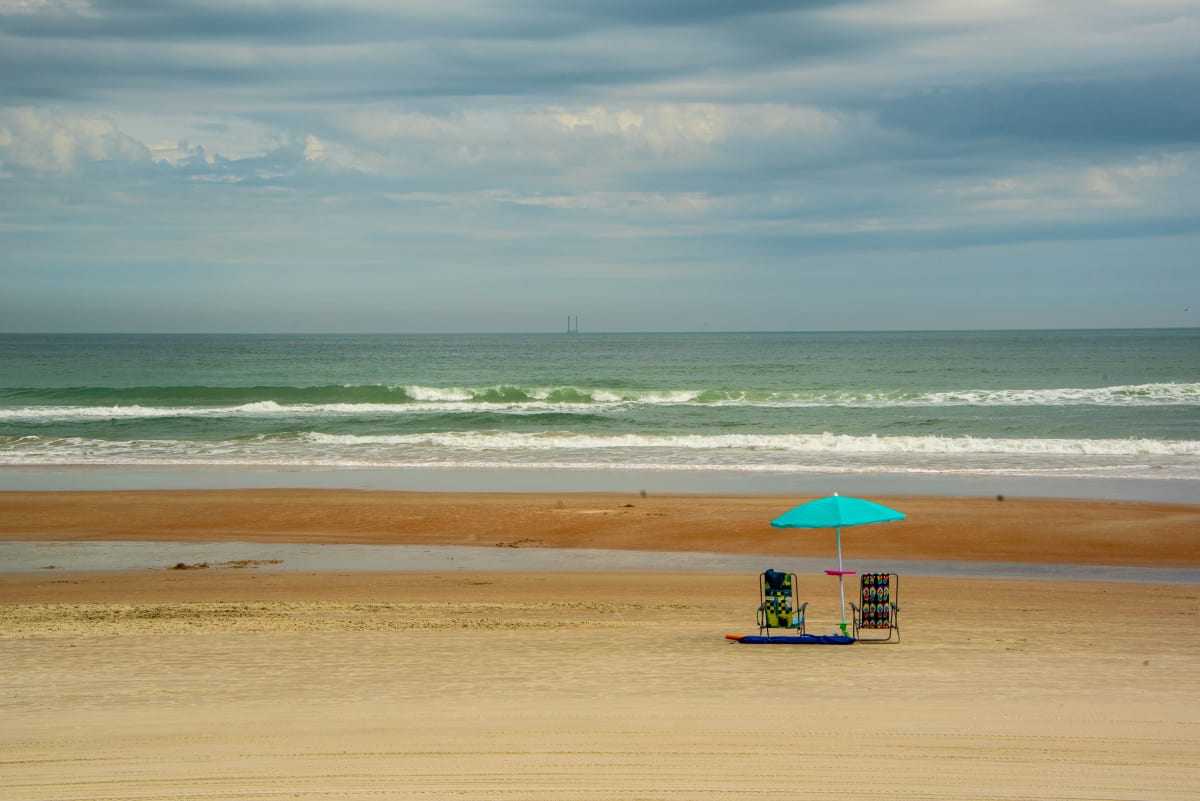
<point>837,512</point>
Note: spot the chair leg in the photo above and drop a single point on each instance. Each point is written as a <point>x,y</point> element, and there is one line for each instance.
<point>892,630</point>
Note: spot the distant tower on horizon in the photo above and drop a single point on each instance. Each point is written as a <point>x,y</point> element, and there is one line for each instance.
<point>572,328</point>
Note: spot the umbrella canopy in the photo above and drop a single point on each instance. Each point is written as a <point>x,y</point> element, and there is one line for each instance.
<point>835,512</point>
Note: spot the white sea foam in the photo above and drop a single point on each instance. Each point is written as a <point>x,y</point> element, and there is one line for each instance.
<point>425,400</point>
<point>1143,394</point>
<point>800,443</point>
<point>438,394</point>
<point>274,409</point>
<point>73,449</point>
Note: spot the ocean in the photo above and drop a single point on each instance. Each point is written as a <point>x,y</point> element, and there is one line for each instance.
<point>1033,405</point>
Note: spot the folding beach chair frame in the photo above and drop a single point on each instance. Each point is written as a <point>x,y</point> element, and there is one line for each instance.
<point>778,608</point>
<point>877,610</point>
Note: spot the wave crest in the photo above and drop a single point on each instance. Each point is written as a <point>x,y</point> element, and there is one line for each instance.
<point>794,443</point>
<point>152,402</point>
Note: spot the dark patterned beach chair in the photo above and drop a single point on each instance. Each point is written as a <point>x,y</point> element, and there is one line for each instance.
<point>877,612</point>
<point>778,609</point>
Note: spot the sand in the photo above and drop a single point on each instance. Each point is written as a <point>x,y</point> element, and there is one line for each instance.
<point>245,681</point>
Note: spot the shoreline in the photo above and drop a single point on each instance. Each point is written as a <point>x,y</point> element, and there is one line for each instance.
<point>531,478</point>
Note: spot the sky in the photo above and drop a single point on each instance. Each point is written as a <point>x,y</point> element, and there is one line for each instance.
<point>681,165</point>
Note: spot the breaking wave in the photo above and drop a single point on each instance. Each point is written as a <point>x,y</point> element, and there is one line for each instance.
<point>473,448</point>
<point>21,405</point>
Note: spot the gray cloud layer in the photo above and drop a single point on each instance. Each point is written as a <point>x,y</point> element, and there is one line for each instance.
<point>682,165</point>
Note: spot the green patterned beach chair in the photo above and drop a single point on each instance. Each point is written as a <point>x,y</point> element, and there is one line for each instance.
<point>877,611</point>
<point>778,609</point>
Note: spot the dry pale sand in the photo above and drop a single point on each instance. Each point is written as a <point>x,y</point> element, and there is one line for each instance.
<point>257,683</point>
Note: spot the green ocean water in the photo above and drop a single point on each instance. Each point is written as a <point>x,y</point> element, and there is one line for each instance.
<point>1106,404</point>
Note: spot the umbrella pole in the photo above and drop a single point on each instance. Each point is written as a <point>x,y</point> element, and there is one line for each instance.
<point>841,579</point>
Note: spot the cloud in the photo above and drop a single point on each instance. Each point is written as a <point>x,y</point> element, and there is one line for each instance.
<point>614,149</point>
<point>1136,110</point>
<point>59,142</point>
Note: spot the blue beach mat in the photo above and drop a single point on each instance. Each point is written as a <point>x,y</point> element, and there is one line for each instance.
<point>792,639</point>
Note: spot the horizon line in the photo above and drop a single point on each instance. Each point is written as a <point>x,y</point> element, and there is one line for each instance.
<point>559,332</point>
